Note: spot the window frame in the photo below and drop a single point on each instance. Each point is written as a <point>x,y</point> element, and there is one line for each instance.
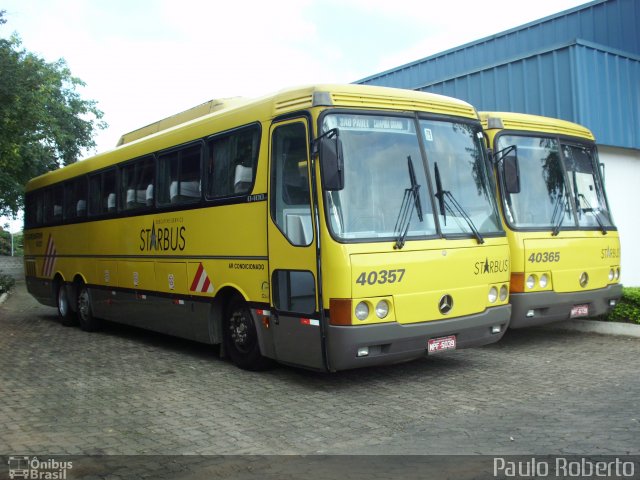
<point>256,160</point>
<point>122,198</point>
<point>161,205</point>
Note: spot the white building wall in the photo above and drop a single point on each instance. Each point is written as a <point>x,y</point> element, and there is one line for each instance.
<point>622,181</point>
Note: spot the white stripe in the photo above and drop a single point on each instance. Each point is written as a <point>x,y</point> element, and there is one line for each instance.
<point>201,281</point>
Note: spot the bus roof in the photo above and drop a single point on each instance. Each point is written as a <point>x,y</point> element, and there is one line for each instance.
<point>202,120</point>
<point>533,123</point>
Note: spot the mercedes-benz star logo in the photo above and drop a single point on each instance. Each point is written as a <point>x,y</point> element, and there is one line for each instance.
<point>584,279</point>
<point>445,304</point>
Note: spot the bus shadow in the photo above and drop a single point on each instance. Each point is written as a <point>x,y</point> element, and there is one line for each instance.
<point>147,338</point>
<point>418,370</point>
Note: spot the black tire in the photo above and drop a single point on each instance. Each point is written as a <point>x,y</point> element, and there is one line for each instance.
<point>87,321</point>
<point>65,314</point>
<point>241,339</point>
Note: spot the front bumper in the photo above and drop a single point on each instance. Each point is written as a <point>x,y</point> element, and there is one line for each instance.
<point>395,342</point>
<point>552,307</point>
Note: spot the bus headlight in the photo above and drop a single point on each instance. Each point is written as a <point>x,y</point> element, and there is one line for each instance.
<point>612,275</point>
<point>493,294</point>
<point>382,309</point>
<point>362,311</point>
<point>544,280</point>
<point>617,274</point>
<point>531,281</point>
<point>504,291</point>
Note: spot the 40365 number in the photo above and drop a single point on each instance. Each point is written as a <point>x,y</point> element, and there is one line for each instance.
<point>381,277</point>
<point>544,257</point>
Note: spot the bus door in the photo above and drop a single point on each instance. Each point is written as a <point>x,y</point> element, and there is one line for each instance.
<point>295,320</point>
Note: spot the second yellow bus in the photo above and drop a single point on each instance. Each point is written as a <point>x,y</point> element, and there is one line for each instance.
<point>565,249</point>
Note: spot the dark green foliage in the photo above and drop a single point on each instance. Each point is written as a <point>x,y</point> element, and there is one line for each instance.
<point>6,282</point>
<point>5,243</point>
<point>44,123</point>
<point>628,309</point>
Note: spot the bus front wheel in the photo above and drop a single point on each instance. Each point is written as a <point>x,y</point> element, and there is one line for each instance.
<point>241,338</point>
<point>87,321</point>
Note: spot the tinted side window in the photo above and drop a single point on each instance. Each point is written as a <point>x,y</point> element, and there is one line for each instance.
<point>102,193</point>
<point>95,189</point>
<point>232,163</point>
<point>75,205</point>
<point>53,204</point>
<point>136,184</point>
<point>31,209</point>
<point>179,176</point>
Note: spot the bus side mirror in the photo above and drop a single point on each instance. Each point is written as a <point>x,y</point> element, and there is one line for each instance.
<point>331,161</point>
<point>511,174</point>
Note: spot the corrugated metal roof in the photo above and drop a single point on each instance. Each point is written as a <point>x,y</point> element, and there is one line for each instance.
<point>613,23</point>
<point>581,65</point>
<point>582,82</point>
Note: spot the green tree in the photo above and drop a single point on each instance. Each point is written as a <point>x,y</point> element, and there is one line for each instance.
<point>44,122</point>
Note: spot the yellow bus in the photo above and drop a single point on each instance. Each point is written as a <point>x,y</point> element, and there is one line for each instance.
<point>565,249</point>
<point>328,227</point>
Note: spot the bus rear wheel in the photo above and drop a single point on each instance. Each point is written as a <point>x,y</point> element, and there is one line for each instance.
<point>67,318</point>
<point>87,321</point>
<point>241,338</point>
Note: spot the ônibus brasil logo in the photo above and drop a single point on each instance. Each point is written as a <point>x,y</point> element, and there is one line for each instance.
<point>33,468</point>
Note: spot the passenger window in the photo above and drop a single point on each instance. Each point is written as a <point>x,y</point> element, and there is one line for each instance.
<point>109,191</point>
<point>179,176</point>
<point>75,199</point>
<point>95,188</point>
<point>290,200</point>
<point>136,184</point>
<point>102,193</point>
<point>232,161</point>
<point>39,208</point>
<point>53,204</point>
<point>34,209</point>
<point>58,203</point>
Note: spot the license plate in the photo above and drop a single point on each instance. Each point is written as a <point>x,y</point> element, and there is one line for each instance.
<point>579,311</point>
<point>435,345</point>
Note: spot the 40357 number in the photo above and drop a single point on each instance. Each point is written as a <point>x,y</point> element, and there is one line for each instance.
<point>381,277</point>
<point>544,257</point>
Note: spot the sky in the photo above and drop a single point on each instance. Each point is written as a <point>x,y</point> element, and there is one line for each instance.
<point>143,60</point>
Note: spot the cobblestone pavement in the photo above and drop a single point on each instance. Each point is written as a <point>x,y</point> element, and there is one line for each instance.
<point>126,391</point>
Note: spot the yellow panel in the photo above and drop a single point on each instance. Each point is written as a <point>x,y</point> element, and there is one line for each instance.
<point>421,307</point>
<point>136,275</point>
<point>418,279</point>
<point>171,277</point>
<point>106,273</point>
<point>536,123</point>
<point>568,258</point>
<point>248,276</point>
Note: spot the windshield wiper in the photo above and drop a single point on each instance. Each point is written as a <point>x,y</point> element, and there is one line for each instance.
<point>558,214</point>
<point>440,194</point>
<point>446,201</point>
<point>592,211</point>
<point>410,202</point>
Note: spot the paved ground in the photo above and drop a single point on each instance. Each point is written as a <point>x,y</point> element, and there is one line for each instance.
<point>126,391</point>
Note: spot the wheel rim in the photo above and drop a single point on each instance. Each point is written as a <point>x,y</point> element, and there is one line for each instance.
<point>63,304</point>
<point>83,304</point>
<point>240,331</point>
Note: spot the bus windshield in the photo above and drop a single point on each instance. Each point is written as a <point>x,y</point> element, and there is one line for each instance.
<point>377,151</point>
<point>554,176</point>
